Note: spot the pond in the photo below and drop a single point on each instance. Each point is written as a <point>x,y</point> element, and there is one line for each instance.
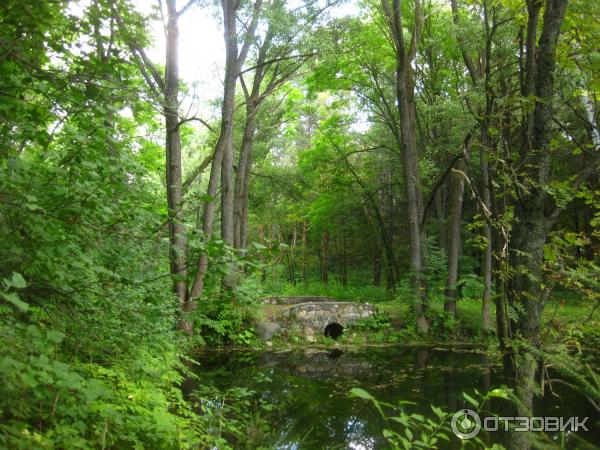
<point>308,390</point>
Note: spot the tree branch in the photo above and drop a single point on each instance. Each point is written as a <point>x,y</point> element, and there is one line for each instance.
<point>185,8</point>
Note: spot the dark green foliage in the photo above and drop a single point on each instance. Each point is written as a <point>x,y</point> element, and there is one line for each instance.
<point>409,430</point>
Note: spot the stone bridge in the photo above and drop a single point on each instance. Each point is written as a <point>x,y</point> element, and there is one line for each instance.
<point>312,316</point>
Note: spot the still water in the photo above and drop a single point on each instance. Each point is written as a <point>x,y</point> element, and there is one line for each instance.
<point>308,390</point>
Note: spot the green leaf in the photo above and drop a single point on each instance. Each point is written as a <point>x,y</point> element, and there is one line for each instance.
<point>55,336</point>
<point>471,400</point>
<point>438,412</point>
<point>13,298</point>
<point>18,281</point>
<point>402,420</point>
<point>361,393</point>
<point>500,393</point>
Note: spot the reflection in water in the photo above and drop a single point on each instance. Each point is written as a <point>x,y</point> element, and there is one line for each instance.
<point>309,389</point>
<point>335,353</point>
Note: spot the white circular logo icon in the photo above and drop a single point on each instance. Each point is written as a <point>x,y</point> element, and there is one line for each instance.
<point>465,423</point>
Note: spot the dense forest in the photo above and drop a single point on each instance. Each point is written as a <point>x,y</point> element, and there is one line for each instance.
<point>433,162</point>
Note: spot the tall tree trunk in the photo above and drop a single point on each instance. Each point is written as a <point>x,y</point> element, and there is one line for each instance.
<point>273,262</point>
<point>223,157</point>
<point>533,220</point>
<point>500,243</point>
<point>261,257</point>
<point>233,65</point>
<point>167,89</point>
<point>325,257</point>
<point>292,251</point>
<point>486,310</point>
<point>242,181</point>
<point>343,258</point>
<point>441,218</point>
<point>454,242</point>
<point>405,96</point>
<point>265,65</point>
<point>173,165</point>
<point>232,68</point>
<point>376,265</point>
<point>304,251</point>
<point>486,148</point>
<point>484,123</point>
<point>528,78</point>
<point>590,114</point>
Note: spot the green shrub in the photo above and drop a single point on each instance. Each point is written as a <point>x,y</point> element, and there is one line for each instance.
<point>221,321</point>
<point>377,322</point>
<point>49,400</point>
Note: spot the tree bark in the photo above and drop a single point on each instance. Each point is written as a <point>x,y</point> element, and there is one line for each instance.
<point>325,257</point>
<point>343,259</point>
<point>376,265</point>
<point>534,217</point>
<point>242,182</point>
<point>304,251</point>
<point>222,163</point>
<point>441,218</point>
<point>454,241</point>
<point>484,123</point>
<point>232,68</point>
<point>486,309</point>
<point>166,88</point>
<point>405,103</point>
<point>261,257</point>
<point>173,165</point>
<point>292,255</point>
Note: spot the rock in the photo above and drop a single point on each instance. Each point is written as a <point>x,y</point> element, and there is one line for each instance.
<point>266,330</point>
<point>309,334</point>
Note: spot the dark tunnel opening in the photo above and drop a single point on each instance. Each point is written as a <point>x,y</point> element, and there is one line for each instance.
<point>334,330</point>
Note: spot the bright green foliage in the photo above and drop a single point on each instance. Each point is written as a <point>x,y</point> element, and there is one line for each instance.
<point>49,401</point>
<point>221,321</point>
<point>89,356</point>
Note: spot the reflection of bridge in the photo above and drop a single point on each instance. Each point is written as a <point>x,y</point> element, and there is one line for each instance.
<point>318,315</point>
<point>319,364</point>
